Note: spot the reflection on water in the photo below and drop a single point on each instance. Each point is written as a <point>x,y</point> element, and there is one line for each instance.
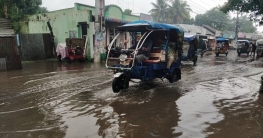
<point>50,99</point>
<point>153,114</point>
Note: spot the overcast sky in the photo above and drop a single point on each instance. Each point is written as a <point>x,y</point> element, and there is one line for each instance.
<point>137,6</point>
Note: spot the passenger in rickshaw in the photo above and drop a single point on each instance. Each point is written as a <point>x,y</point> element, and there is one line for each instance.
<point>172,54</point>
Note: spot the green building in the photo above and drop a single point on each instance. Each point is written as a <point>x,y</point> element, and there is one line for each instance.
<point>78,22</point>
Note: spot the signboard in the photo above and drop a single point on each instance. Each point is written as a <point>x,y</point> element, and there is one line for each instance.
<point>146,17</point>
<point>241,35</point>
<point>255,37</point>
<point>228,35</point>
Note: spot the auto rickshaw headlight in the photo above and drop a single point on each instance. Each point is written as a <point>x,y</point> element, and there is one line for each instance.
<point>123,57</point>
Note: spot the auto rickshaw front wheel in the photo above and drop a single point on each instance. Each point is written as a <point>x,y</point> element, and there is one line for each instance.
<point>217,54</point>
<point>116,85</point>
<point>120,83</point>
<point>239,54</point>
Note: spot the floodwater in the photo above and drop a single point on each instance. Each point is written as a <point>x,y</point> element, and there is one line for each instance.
<point>218,98</point>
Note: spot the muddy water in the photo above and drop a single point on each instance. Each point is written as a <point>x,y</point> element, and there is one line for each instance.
<point>218,98</point>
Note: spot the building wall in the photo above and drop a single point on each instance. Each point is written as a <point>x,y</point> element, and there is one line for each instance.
<point>112,11</point>
<point>63,22</point>
<point>80,6</point>
<point>66,21</point>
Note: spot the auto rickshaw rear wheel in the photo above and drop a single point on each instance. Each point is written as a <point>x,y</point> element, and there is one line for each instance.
<point>174,76</point>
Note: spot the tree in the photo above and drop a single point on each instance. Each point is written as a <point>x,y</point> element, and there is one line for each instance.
<point>245,25</point>
<point>170,11</point>
<point>127,11</point>
<point>159,10</point>
<point>254,7</point>
<point>19,9</point>
<point>189,21</point>
<point>178,11</point>
<point>214,18</point>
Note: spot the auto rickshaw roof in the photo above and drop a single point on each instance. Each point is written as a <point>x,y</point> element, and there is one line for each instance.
<point>221,39</point>
<point>148,25</point>
<point>189,37</point>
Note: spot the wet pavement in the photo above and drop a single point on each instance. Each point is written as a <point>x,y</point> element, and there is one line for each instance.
<point>218,98</point>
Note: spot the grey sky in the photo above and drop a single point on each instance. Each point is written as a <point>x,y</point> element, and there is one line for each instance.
<point>137,6</point>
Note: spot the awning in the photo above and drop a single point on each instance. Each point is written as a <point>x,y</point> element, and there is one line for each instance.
<point>114,20</point>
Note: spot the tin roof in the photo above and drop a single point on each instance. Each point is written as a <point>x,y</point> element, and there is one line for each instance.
<point>194,29</point>
<point>6,28</point>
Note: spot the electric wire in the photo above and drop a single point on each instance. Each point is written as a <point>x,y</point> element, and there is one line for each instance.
<point>196,8</point>
<point>198,5</point>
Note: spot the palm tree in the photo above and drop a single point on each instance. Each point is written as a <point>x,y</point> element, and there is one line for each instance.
<point>159,10</point>
<point>178,11</point>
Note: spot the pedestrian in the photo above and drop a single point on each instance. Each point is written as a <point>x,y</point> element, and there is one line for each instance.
<point>254,47</point>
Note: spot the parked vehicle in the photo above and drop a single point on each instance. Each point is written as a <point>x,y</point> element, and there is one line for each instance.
<point>243,46</point>
<point>259,50</point>
<point>222,46</point>
<point>72,50</point>
<point>122,61</point>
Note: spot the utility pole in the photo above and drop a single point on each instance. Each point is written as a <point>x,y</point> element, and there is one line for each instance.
<point>237,26</point>
<point>99,29</point>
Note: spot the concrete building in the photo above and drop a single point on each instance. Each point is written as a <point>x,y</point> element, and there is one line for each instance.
<point>9,55</point>
<point>78,22</point>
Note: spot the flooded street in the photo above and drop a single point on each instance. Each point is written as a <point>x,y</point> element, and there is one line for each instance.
<point>218,98</point>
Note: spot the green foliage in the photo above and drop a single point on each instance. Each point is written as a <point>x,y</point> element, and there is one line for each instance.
<point>178,11</point>
<point>18,9</point>
<point>159,10</point>
<point>214,18</point>
<point>245,25</point>
<point>127,11</point>
<point>189,21</point>
<point>254,7</point>
<point>172,11</point>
